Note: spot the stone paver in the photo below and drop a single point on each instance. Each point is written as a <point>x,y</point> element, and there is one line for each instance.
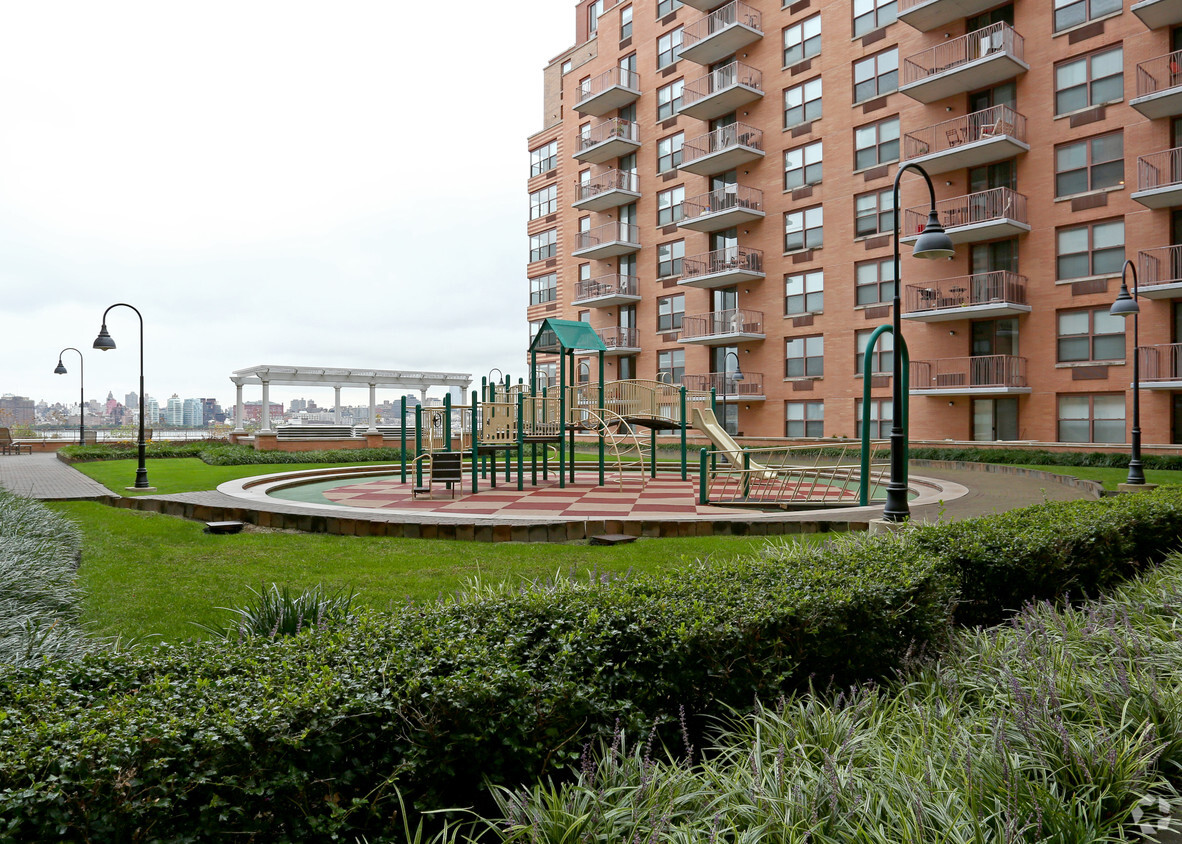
<point>45,477</point>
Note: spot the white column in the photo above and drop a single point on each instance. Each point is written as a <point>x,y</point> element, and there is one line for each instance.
<point>373,409</point>
<point>265,419</point>
<point>336,410</point>
<point>423,396</point>
<point>238,429</point>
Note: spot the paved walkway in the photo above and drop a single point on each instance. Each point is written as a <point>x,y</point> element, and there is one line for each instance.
<point>45,477</point>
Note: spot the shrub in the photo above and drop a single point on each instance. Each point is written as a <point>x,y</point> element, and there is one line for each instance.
<point>225,454</point>
<point>278,611</point>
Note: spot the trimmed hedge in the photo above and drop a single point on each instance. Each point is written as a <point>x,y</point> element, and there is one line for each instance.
<point>307,737</point>
<point>225,454</point>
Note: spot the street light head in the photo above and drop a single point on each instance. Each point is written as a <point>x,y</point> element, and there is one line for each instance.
<point>1125,305</point>
<point>104,341</point>
<point>737,374</point>
<point>933,242</point>
<point>59,369</point>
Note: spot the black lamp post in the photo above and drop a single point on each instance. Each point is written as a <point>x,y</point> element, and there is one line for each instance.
<point>737,376</point>
<point>60,369</point>
<point>1126,306</point>
<point>932,243</point>
<point>104,342</point>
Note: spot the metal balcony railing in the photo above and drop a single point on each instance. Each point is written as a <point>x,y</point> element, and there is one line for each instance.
<point>1159,74</point>
<point>606,131</point>
<point>619,337</point>
<point>1159,169</point>
<point>729,321</point>
<point>966,290</point>
<point>1161,363</point>
<point>608,233</point>
<point>611,78</point>
<point>978,126</point>
<point>726,384</point>
<point>1162,265</point>
<point>951,54</point>
<point>980,207</point>
<point>728,15</point>
<point>606,285</point>
<point>722,260</point>
<point>722,138</point>
<point>719,79</point>
<point>979,371</point>
<point>611,180</point>
<point>723,199</point>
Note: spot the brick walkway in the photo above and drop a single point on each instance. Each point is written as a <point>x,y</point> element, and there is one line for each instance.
<point>45,477</point>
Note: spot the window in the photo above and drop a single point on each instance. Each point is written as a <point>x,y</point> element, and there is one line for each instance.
<point>669,257</point>
<point>670,310</point>
<point>535,325</point>
<point>1089,81</point>
<point>1069,13</point>
<point>544,288</point>
<point>669,152</point>
<point>802,229</point>
<point>1093,164</point>
<point>543,245</point>
<point>567,67</point>
<point>626,22</point>
<point>874,281</point>
<point>876,144</point>
<point>874,213</point>
<point>667,7</point>
<point>876,75</point>
<point>669,48</point>
<point>1090,335</point>
<point>802,40</point>
<point>671,366</point>
<point>543,159</point>
<point>1095,249</point>
<point>802,166</point>
<point>802,103</point>
<point>804,293</point>
<point>1092,419</point>
<point>804,419</point>
<point>882,361</point>
<point>804,357</point>
<point>593,13</point>
<point>669,99</point>
<point>669,205</point>
<point>879,423</point>
<point>543,202</point>
<point>870,15</point>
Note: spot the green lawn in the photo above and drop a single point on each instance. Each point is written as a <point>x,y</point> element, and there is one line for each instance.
<point>171,475</point>
<point>1110,477</point>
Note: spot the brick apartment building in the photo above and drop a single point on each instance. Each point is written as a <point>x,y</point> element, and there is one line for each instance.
<point>712,191</point>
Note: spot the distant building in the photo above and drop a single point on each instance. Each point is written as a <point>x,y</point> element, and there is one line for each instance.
<point>252,411</point>
<point>151,410</point>
<point>191,413</point>
<point>132,399</point>
<point>174,411</point>
<point>16,410</point>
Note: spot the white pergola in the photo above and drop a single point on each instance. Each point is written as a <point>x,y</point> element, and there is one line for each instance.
<point>327,376</point>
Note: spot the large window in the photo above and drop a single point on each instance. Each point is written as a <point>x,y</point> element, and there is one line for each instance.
<point>666,7</point>
<point>669,152</point>
<point>669,48</point>
<point>1095,249</point>
<point>1090,335</point>
<point>803,229</point>
<point>1092,164</point>
<point>876,144</point>
<point>876,75</point>
<point>802,103</point>
<point>802,40</point>
<point>1092,418</point>
<point>670,310</point>
<point>874,213</point>
<point>870,15</point>
<point>669,205</point>
<point>804,357</point>
<point>874,281</point>
<point>1069,13</point>
<point>881,361</point>
<point>802,166</point>
<point>1090,80</point>
<point>543,202</point>
<point>626,22</point>
<point>669,257</point>
<point>804,293</point>
<point>879,421</point>
<point>544,288</point>
<point>543,245</point>
<point>543,159</point>
<point>669,99</point>
<point>804,419</point>
<point>671,366</point>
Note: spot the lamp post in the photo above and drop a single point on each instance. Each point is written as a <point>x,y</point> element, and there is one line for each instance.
<point>737,376</point>
<point>1126,306</point>
<point>932,243</point>
<point>104,342</point>
<point>60,369</point>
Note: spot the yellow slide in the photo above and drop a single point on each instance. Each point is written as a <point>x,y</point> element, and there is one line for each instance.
<point>706,422</point>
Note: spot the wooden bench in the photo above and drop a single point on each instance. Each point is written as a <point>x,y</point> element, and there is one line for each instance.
<point>10,446</point>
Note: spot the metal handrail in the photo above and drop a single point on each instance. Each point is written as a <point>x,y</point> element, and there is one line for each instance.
<point>976,371</point>
<point>606,285</point>
<point>726,384</point>
<point>619,337</point>
<point>1159,169</point>
<point>722,138</point>
<point>994,122</point>
<point>980,207</point>
<point>722,199</point>
<point>608,130</point>
<point>1159,73</point>
<point>615,77</point>
<point>1161,362</point>
<point>954,53</point>
<point>966,290</point>
<point>732,14</point>
<point>719,79</point>
<point>1161,265</point>
<point>611,180</point>
<point>721,260</point>
<point>607,233</point>
<point>715,323</point>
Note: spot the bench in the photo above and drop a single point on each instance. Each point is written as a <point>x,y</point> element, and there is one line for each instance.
<point>10,446</point>
<point>314,432</point>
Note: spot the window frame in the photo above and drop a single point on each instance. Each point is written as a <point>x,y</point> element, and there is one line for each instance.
<point>1089,81</point>
<point>1088,15</point>
<point>669,6</point>
<point>806,165</point>
<point>543,247</point>
<point>885,82</point>
<point>543,161</point>
<point>879,144</point>
<point>811,296</point>
<point>1090,338</point>
<point>883,284</point>
<point>882,361</point>
<point>812,236</point>
<point>803,42</point>
<point>625,23</point>
<point>540,295</point>
<point>806,421</point>
<point>669,205</point>
<point>878,16</point>
<point>1090,165</point>
<point>674,157</point>
<point>811,356</point>
<point>1091,250</point>
<point>673,105</point>
<point>884,218</point>
<point>882,411</point>
<point>669,55</point>
<point>670,312</point>
<point>543,202</point>
<point>1110,399</point>
<point>670,266</point>
<point>808,104</point>
<point>667,361</point>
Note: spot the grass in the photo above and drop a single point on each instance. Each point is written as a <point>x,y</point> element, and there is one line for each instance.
<point>170,475</point>
<point>1110,476</point>
<point>145,574</point>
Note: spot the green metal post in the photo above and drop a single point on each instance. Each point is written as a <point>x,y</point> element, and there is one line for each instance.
<point>475,445</point>
<point>603,429</point>
<point>418,444</point>
<point>447,420</point>
<point>864,466</point>
<point>571,464</point>
<point>652,450</point>
<point>402,431</point>
<point>492,465</point>
<point>561,419</point>
<point>703,474</point>
<point>746,488</point>
<point>545,449</point>
<point>520,440</point>
<point>714,410</point>
<point>684,423</point>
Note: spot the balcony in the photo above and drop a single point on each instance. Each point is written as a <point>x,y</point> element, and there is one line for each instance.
<point>721,91</point>
<point>722,328</point>
<point>976,217</point>
<point>704,5</point>
<point>721,33</point>
<point>722,209</point>
<point>607,190</point>
<point>723,149</point>
<point>1161,366</point>
<point>619,340</point>
<point>1158,14</point>
<point>926,15</point>
<point>607,291</point>
<point>984,375</point>
<point>983,137</point>
<point>1159,273</point>
<point>992,294</point>
<point>977,60</point>
<point>1159,86</point>
<point>1159,179</point>
<point>726,386</point>
<point>608,91</point>
<point>607,140</point>
<point>607,241</point>
<point>722,268</point>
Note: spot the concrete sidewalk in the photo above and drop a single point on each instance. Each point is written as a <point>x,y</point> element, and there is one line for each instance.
<point>45,477</point>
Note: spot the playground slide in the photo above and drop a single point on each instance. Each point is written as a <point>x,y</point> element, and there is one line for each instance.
<point>706,422</point>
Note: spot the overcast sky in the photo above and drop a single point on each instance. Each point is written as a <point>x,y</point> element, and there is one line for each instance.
<point>315,183</point>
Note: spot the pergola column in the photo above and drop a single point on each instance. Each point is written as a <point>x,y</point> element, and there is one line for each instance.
<point>336,406</point>
<point>373,409</point>
<point>238,429</point>
<point>265,418</point>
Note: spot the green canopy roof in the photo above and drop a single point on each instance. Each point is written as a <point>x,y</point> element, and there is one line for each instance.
<point>561,335</point>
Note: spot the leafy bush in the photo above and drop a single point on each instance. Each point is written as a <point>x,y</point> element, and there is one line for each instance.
<point>225,454</point>
<point>278,611</point>
<point>1039,457</point>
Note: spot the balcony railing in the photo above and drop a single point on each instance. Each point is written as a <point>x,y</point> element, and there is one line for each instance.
<point>619,337</point>
<point>612,180</point>
<point>612,89</point>
<point>1158,267</point>
<point>615,232</point>
<point>608,130</point>
<point>726,384</point>
<point>718,323</point>
<point>1161,363</point>
<point>735,259</point>
<point>966,291</point>
<point>607,286</point>
<point>1159,74</point>
<point>987,124</point>
<point>995,204</point>
<point>949,58</point>
<point>705,97</point>
<point>721,33</point>
<point>982,372</point>
<point>723,199</point>
<point>1159,169</point>
<point>738,138</point>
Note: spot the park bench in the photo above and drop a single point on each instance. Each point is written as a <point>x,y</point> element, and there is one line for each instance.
<point>10,446</point>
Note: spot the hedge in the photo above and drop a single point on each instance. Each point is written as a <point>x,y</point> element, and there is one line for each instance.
<point>224,454</point>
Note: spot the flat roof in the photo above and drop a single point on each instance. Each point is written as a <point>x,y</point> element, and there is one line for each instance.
<point>341,376</point>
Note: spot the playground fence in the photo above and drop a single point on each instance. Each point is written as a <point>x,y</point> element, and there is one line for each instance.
<point>822,476</point>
